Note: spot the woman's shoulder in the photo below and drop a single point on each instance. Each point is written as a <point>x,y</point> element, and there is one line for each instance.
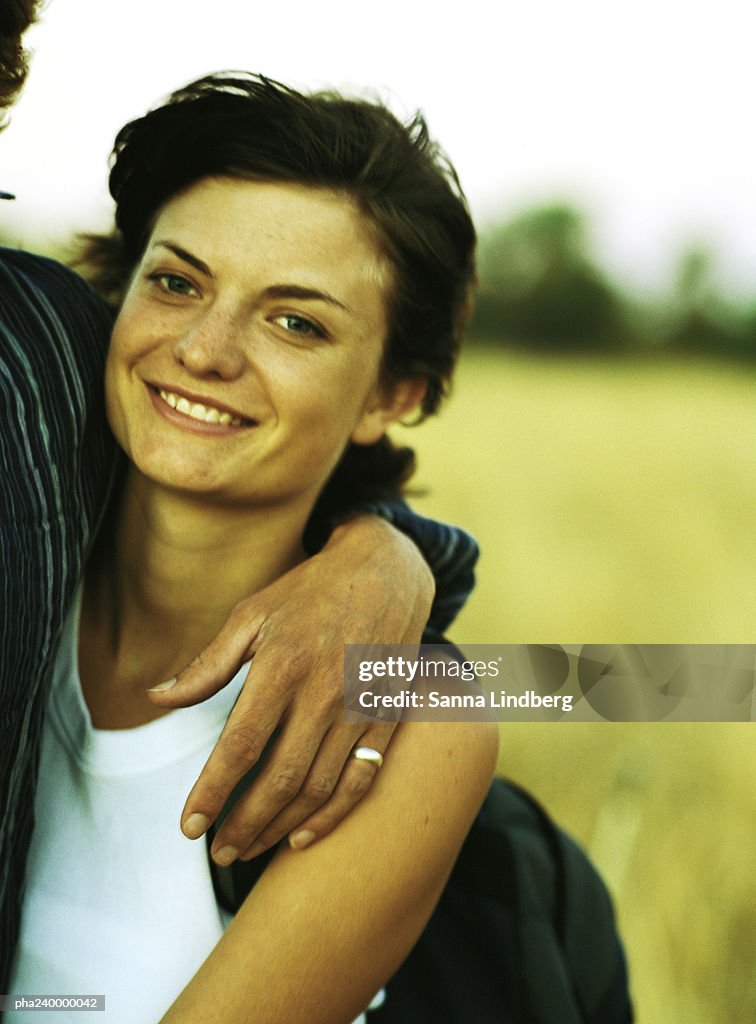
<point>456,756</point>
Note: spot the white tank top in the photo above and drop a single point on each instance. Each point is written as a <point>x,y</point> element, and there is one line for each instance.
<point>118,902</point>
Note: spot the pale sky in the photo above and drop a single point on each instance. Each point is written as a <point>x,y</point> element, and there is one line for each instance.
<point>641,111</point>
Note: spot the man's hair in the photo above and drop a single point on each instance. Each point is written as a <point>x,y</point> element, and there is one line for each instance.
<point>247,126</point>
<point>15,17</point>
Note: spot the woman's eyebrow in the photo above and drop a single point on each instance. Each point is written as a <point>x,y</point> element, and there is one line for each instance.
<point>187,257</point>
<point>296,291</point>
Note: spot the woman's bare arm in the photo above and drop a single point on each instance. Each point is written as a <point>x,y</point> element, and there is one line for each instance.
<point>325,928</point>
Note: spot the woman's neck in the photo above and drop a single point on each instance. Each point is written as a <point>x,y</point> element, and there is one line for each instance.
<point>162,581</point>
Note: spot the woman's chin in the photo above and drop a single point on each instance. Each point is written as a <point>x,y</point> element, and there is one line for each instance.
<point>181,478</point>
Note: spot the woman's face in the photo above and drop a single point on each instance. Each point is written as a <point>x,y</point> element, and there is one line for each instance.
<point>247,352</point>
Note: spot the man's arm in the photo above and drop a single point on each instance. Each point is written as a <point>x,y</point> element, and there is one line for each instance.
<point>370,584</point>
<point>451,554</point>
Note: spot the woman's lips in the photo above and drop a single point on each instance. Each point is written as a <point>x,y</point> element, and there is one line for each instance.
<point>199,411</point>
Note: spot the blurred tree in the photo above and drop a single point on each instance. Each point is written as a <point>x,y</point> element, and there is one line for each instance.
<point>539,286</point>
<point>705,322</point>
<point>541,289</point>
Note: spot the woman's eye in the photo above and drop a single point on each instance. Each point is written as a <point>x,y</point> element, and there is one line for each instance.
<point>300,326</point>
<point>174,284</point>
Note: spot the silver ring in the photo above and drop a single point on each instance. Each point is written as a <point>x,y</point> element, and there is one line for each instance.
<point>368,754</point>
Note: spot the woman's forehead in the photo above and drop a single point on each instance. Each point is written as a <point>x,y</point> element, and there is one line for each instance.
<point>282,224</point>
<point>225,211</point>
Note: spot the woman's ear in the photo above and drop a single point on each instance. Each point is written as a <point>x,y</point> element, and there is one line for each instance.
<point>388,405</point>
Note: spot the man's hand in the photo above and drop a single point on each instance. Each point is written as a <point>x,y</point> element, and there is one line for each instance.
<point>368,585</point>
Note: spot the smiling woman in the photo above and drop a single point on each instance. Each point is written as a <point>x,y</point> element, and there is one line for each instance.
<point>295,274</point>
<point>255,322</point>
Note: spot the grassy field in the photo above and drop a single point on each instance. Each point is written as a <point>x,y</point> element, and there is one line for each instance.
<point>614,503</point>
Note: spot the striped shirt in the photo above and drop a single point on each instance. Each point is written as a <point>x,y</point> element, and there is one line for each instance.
<point>56,463</point>
<point>56,456</point>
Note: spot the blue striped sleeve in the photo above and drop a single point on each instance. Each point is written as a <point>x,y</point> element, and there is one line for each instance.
<point>56,462</point>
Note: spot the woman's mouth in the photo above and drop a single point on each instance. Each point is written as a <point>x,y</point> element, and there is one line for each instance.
<point>203,412</point>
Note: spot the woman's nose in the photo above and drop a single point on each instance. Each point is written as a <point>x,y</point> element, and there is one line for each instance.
<point>211,347</point>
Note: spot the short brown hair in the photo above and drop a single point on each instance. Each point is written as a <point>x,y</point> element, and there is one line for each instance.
<point>247,126</point>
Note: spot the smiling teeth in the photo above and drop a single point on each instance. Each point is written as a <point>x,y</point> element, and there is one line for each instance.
<point>197,411</point>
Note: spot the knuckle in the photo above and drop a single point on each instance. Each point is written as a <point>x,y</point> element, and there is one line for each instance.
<point>244,619</point>
<point>240,614</point>
<point>292,661</point>
<point>197,663</point>
<point>357,783</point>
<point>325,695</point>
<point>297,659</point>
<point>285,783</point>
<point>241,745</point>
<point>318,788</point>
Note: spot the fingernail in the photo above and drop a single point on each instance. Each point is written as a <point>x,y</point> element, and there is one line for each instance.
<point>162,687</point>
<point>299,840</point>
<point>195,826</point>
<point>225,856</point>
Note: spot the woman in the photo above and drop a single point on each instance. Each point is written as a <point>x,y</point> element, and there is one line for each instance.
<point>299,271</point>
<point>55,474</point>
